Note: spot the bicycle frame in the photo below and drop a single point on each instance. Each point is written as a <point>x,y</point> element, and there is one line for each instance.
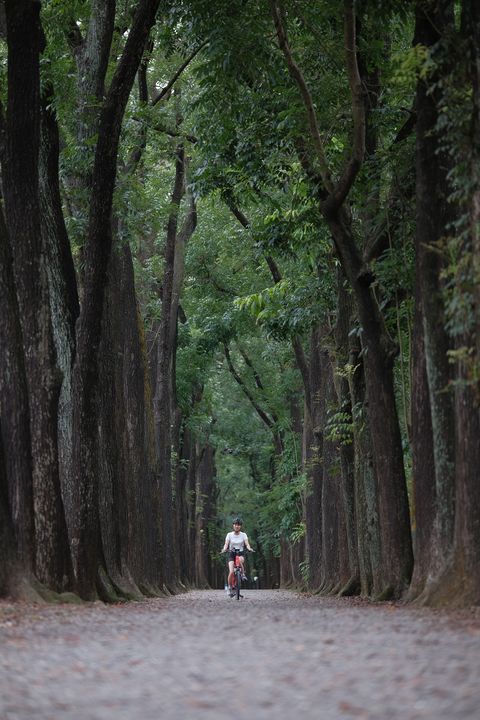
<point>237,574</point>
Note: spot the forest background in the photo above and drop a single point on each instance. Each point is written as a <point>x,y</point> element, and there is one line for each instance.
<point>239,257</point>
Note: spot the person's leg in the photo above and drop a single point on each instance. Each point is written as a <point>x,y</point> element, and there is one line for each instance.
<point>230,574</point>
<point>242,560</point>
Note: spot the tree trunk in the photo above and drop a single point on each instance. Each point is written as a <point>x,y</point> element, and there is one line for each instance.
<point>181,500</point>
<point>472,22</point>
<point>62,286</point>
<point>97,255</point>
<point>346,448</point>
<point>10,566</point>
<point>366,493</point>
<point>22,209</point>
<point>14,419</point>
<point>396,548</point>
<point>163,391</point>
<point>314,460</point>
<point>433,216</point>
<point>335,565</point>
<point>204,512</point>
<point>190,492</point>
<point>128,500</point>
<point>424,492</point>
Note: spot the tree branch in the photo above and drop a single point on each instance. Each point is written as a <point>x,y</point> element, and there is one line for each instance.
<point>177,74</point>
<point>174,133</point>
<point>264,417</point>
<point>74,37</point>
<point>297,76</point>
<point>248,363</point>
<point>358,109</point>
<point>298,350</point>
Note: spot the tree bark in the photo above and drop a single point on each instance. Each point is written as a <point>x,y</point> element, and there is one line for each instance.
<point>433,215</point>
<point>366,492</point>
<point>346,449</point>
<point>97,255</point>
<point>396,548</point>
<point>204,512</point>
<point>14,421</point>
<point>21,176</point>
<point>62,285</point>
<point>423,464</point>
<point>314,424</point>
<point>335,561</point>
<point>163,389</point>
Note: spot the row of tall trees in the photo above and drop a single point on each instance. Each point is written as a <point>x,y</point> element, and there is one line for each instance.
<point>239,257</point>
<point>87,485</point>
<point>352,141</point>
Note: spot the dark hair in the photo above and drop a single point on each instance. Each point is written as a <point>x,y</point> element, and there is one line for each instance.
<point>237,521</point>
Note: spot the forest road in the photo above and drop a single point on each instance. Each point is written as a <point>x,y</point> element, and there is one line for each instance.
<point>273,655</point>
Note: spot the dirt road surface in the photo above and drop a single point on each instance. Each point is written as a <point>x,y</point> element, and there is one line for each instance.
<point>273,655</point>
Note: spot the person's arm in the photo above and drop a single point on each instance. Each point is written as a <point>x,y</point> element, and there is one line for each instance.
<point>247,543</point>
<point>225,547</point>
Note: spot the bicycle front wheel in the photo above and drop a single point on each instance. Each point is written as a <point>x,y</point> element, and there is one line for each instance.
<point>239,585</point>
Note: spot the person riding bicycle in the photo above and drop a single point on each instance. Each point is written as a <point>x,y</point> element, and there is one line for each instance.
<point>236,541</point>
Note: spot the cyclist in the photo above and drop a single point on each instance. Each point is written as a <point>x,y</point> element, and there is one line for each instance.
<point>236,540</point>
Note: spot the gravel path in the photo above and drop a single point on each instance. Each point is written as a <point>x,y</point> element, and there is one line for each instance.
<point>274,654</point>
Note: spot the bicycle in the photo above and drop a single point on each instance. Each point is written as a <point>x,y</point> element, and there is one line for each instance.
<point>237,576</point>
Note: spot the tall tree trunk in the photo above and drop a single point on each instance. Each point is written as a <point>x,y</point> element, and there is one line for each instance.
<point>97,255</point>
<point>22,208</point>
<point>465,570</point>
<point>433,216</point>
<point>366,493</point>
<point>204,507</point>
<point>190,492</point>
<point>128,501</point>
<point>335,565</point>
<point>182,238</point>
<point>394,519</point>
<point>181,508</point>
<point>423,470</point>
<point>10,566</point>
<point>62,285</point>
<point>314,424</point>
<point>347,448</point>
<point>472,23</point>
<point>163,390</point>
<point>14,421</point>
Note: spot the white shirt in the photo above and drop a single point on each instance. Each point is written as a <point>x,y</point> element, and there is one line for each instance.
<point>236,542</point>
